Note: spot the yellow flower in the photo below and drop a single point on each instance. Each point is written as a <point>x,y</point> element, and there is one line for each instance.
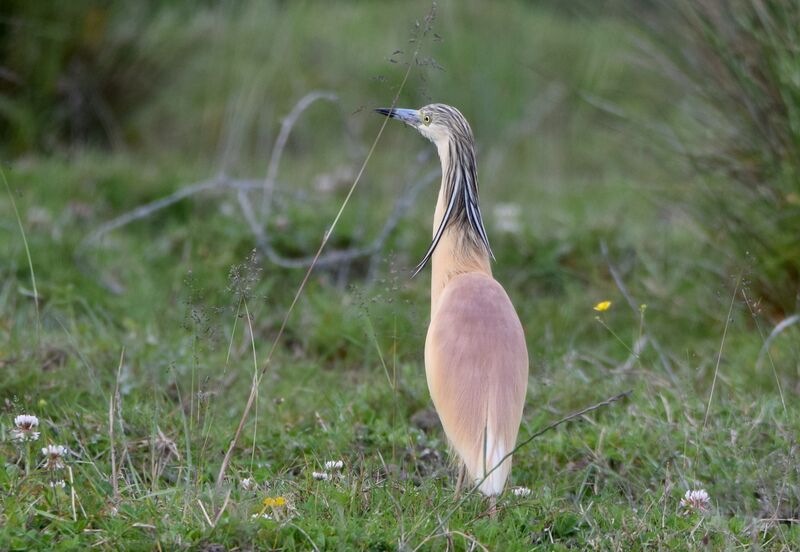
<point>276,502</point>
<point>602,306</point>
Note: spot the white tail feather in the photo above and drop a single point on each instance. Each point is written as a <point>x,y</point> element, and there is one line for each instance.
<point>494,482</point>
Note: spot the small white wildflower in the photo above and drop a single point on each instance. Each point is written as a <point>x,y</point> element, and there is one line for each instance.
<point>696,500</point>
<point>334,465</point>
<point>26,428</point>
<point>321,476</point>
<point>521,491</point>
<point>248,484</point>
<point>261,516</point>
<point>54,456</point>
<point>60,484</point>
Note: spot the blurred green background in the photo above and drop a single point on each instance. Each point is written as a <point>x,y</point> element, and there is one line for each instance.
<point>642,152</point>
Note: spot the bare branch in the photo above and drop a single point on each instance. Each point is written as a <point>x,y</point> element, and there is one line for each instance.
<point>280,143</point>
<point>242,186</point>
<point>268,187</point>
<point>152,207</point>
<point>333,258</point>
<point>776,331</point>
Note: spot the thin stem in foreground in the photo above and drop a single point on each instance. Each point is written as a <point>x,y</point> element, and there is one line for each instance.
<point>721,346</point>
<point>27,253</point>
<point>539,433</point>
<point>253,389</point>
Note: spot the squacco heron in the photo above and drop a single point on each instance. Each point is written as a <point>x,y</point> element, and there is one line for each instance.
<point>476,361</point>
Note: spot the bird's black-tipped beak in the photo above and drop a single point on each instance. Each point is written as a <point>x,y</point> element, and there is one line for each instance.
<point>407,116</point>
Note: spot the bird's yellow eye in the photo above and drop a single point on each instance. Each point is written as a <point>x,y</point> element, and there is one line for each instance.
<point>426,119</point>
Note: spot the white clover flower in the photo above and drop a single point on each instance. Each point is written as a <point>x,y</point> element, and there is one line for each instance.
<point>321,476</point>
<point>697,500</point>
<point>248,484</point>
<point>59,484</point>
<point>521,491</point>
<point>26,428</point>
<point>334,465</point>
<point>54,456</point>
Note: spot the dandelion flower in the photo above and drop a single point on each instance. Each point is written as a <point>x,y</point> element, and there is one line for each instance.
<point>54,456</point>
<point>697,500</point>
<point>273,503</point>
<point>321,476</point>
<point>276,502</point>
<point>59,484</point>
<point>248,484</point>
<point>26,428</point>
<point>602,306</point>
<point>334,465</point>
<point>521,491</point>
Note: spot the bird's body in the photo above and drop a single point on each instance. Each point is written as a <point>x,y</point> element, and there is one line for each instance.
<point>476,360</point>
<point>476,365</point>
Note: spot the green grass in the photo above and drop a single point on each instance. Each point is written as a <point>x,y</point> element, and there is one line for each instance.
<point>347,381</point>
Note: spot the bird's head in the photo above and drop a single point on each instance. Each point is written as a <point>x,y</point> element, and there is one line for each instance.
<point>439,123</point>
<point>447,128</point>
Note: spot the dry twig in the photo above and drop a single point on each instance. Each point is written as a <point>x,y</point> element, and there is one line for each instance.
<point>280,143</point>
<point>776,331</point>
<point>401,207</point>
<point>242,187</point>
<point>112,407</point>
<point>150,208</point>
<point>341,256</point>
<point>539,433</point>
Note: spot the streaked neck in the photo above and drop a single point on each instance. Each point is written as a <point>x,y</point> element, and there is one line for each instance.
<point>462,246</point>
